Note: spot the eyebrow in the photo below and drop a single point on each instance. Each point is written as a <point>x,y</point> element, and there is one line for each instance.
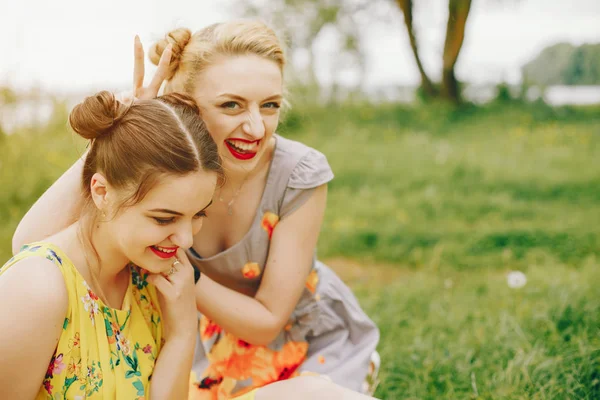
<point>235,96</point>
<point>167,211</point>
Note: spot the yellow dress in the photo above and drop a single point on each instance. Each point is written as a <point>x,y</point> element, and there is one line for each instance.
<point>102,353</point>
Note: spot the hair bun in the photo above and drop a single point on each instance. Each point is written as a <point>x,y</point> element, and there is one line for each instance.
<point>178,39</point>
<point>96,115</point>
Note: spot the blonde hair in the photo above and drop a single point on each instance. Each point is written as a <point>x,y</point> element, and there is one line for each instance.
<point>192,53</point>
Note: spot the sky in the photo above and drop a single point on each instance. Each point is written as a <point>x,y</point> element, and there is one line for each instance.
<point>72,46</point>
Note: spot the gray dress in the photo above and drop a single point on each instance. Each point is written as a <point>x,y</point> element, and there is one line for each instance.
<point>328,332</point>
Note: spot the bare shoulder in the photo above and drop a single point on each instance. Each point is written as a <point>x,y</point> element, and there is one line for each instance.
<point>35,303</point>
<point>35,282</point>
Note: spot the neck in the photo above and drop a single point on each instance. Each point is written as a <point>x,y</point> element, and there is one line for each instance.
<point>106,263</point>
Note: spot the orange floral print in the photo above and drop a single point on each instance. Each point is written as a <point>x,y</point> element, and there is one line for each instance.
<point>312,281</point>
<point>208,328</point>
<point>233,358</point>
<point>285,364</point>
<point>269,222</point>
<point>251,270</point>
<point>205,389</point>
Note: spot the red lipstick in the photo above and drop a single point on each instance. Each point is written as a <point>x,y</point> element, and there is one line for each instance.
<point>164,254</point>
<point>239,155</point>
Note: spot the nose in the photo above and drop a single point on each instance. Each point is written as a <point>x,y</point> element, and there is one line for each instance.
<point>184,236</point>
<point>254,125</point>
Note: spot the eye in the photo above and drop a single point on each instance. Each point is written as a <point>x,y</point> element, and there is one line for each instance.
<point>230,105</point>
<point>163,221</point>
<point>271,104</point>
<point>201,214</point>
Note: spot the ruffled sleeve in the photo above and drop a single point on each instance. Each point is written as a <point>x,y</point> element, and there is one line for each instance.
<point>310,172</point>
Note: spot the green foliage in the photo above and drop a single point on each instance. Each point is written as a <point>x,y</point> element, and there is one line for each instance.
<point>452,335</point>
<point>31,161</point>
<point>7,96</point>
<point>565,64</point>
<point>450,199</point>
<point>471,187</point>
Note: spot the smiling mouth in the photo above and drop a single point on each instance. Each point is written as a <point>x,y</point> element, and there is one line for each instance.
<point>164,252</point>
<point>242,149</point>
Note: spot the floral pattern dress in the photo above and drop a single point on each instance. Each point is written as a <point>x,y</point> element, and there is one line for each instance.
<point>328,333</point>
<point>102,353</point>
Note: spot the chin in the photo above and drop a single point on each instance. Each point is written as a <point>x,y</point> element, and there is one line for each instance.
<point>244,166</point>
<point>153,264</point>
<point>156,268</point>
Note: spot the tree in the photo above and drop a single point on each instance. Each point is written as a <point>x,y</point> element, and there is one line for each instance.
<point>564,64</point>
<point>407,10</point>
<point>455,36</point>
<point>304,20</point>
<point>458,12</point>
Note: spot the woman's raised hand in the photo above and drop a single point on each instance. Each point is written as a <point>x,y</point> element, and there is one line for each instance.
<point>150,91</point>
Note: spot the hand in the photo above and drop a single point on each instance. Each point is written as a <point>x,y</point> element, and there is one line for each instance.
<point>177,299</point>
<point>151,91</point>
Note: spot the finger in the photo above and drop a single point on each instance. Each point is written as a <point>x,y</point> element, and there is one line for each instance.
<point>161,72</point>
<point>182,257</point>
<point>187,268</point>
<point>124,97</point>
<point>138,65</point>
<point>162,284</point>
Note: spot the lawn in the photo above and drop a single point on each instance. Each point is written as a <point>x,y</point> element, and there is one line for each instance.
<point>430,209</point>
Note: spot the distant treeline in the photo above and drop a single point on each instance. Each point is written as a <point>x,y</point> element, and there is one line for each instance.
<point>564,64</point>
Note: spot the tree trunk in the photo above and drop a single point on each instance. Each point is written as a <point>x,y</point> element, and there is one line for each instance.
<point>455,35</point>
<point>426,84</point>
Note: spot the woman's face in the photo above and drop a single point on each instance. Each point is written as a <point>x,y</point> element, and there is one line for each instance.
<point>150,232</point>
<point>239,98</point>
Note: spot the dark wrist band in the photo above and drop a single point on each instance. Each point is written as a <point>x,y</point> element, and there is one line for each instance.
<point>197,274</point>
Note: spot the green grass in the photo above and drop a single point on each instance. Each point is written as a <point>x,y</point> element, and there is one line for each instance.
<point>435,205</point>
<point>472,188</point>
<point>457,335</point>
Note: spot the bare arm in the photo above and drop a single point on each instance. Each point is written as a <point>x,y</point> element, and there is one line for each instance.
<point>307,387</point>
<point>35,302</point>
<point>58,208</point>
<point>170,378</point>
<point>259,320</point>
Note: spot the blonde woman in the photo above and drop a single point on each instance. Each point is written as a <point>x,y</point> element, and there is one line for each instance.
<point>270,310</point>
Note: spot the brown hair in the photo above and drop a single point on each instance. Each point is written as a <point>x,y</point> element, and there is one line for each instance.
<point>192,53</point>
<point>133,145</point>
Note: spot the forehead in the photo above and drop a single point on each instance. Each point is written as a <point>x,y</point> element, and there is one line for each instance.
<point>248,76</point>
<point>186,194</point>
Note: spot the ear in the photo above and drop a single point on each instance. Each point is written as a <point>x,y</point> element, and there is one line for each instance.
<point>101,192</point>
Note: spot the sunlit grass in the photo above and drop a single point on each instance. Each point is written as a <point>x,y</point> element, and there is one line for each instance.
<point>430,209</point>
<point>458,335</point>
<point>489,189</point>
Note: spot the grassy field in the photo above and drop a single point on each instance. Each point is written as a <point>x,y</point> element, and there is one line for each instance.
<point>430,209</point>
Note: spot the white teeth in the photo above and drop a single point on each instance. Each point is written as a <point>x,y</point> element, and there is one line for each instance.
<point>242,145</point>
<point>165,250</point>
